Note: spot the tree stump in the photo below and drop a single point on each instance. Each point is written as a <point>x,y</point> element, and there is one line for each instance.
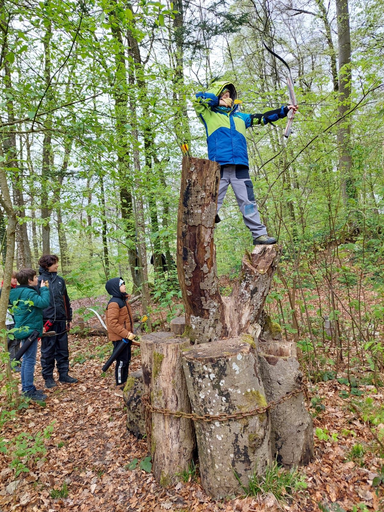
<point>178,325</point>
<point>209,316</point>
<point>172,438</point>
<point>196,253</point>
<point>133,393</point>
<point>222,378</point>
<point>291,424</point>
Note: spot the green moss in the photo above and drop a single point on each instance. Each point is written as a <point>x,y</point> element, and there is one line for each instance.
<point>164,480</point>
<point>255,396</point>
<point>272,327</point>
<point>129,384</point>
<point>153,446</point>
<point>247,338</point>
<point>157,360</point>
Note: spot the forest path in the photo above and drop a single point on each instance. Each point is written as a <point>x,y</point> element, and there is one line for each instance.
<point>90,449</point>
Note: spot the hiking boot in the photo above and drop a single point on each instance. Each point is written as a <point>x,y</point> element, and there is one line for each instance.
<point>264,240</point>
<point>36,394</point>
<point>66,378</point>
<point>50,382</point>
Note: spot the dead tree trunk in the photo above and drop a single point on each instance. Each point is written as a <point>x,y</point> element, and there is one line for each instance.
<point>222,378</point>
<point>196,262</point>
<point>208,316</point>
<point>171,437</point>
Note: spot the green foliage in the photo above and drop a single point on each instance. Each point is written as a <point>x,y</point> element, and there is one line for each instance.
<point>335,507</point>
<point>145,464</point>
<point>277,481</point>
<point>317,405</point>
<point>61,493</point>
<point>25,449</point>
<point>190,474</point>
<point>356,454</point>
<point>323,435</point>
<point>378,481</point>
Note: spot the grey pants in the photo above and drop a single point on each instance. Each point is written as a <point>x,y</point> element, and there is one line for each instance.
<point>242,186</point>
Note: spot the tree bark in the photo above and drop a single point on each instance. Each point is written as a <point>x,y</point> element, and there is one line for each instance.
<point>291,424</point>
<point>196,262</point>
<point>133,393</point>
<point>172,438</point>
<point>348,185</point>
<point>222,377</point>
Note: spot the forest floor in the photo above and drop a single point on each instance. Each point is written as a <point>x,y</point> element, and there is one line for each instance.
<point>89,450</point>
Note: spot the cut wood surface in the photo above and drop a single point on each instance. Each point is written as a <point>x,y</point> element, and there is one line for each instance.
<point>222,377</point>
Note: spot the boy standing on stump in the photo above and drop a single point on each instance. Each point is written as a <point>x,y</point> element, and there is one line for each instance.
<point>119,321</point>
<point>225,128</point>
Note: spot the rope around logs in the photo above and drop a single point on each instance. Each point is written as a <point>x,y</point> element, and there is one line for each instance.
<point>224,416</point>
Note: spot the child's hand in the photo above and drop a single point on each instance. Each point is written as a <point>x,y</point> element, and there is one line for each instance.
<point>226,102</point>
<point>294,108</point>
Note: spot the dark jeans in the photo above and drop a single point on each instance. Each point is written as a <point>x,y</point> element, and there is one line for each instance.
<point>55,348</point>
<point>122,364</point>
<point>28,367</point>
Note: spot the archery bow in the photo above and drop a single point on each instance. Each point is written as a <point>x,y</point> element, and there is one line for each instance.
<point>291,92</point>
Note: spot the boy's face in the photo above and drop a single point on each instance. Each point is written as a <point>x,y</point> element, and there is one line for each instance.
<point>123,289</point>
<point>13,281</point>
<point>33,282</point>
<point>225,99</point>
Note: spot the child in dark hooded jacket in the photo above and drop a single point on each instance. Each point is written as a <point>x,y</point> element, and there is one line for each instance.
<point>120,325</point>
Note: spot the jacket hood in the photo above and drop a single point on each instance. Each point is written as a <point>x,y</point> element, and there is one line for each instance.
<point>217,87</point>
<point>113,288</point>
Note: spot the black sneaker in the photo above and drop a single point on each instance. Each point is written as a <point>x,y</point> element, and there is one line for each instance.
<point>37,395</point>
<point>66,378</point>
<point>217,218</point>
<point>264,240</point>
<point>50,382</point>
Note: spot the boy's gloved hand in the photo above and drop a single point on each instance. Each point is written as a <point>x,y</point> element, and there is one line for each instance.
<point>226,102</point>
<point>134,338</point>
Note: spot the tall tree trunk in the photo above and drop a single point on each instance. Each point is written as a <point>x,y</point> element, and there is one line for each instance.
<point>328,36</point>
<point>89,217</point>
<point>64,251</point>
<point>10,150</point>
<point>47,156</point>
<point>348,186</point>
<point>7,206</point>
<point>181,119</point>
<point>120,96</point>
<point>104,231</point>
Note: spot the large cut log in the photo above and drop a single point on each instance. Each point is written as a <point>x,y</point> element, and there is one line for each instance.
<point>133,393</point>
<point>222,378</point>
<point>196,261</point>
<point>178,325</point>
<point>291,424</point>
<point>172,437</point>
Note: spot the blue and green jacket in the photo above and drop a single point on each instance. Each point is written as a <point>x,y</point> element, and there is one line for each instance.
<point>225,127</point>
<point>28,305</point>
